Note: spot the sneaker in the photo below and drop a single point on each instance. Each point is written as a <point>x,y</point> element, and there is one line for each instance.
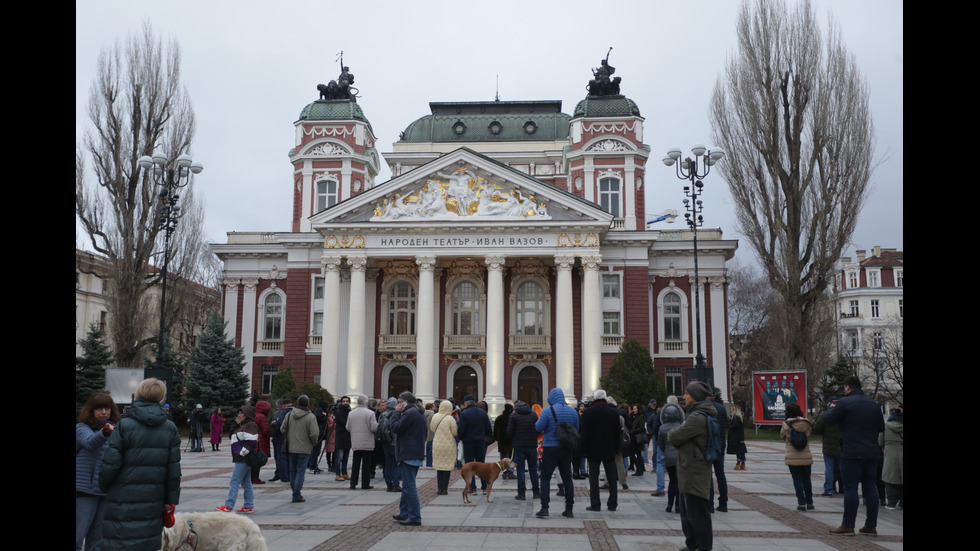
<point>542,513</point>
<point>827,494</point>
<point>810,507</point>
<point>869,531</point>
<point>843,531</point>
<point>245,510</point>
<point>340,478</point>
<point>224,509</point>
<point>801,508</point>
<point>567,514</point>
<point>520,497</point>
<point>658,493</point>
<point>722,508</point>
<point>591,508</point>
<point>299,499</point>
<point>346,477</point>
<point>626,486</point>
<point>535,495</point>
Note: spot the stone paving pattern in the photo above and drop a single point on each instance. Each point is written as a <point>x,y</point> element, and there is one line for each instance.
<point>762,513</point>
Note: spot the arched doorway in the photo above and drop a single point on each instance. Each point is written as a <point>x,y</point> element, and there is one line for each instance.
<point>464,382</point>
<point>529,386</point>
<point>399,380</point>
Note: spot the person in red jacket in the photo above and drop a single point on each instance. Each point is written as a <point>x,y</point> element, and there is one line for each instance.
<point>262,409</point>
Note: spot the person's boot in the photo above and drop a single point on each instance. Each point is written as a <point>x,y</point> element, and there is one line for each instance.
<point>542,513</point>
<point>561,490</point>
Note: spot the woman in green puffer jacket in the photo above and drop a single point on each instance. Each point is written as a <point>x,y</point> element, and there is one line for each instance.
<point>140,473</point>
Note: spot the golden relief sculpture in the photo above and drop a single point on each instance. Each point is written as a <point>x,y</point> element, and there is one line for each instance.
<point>457,195</point>
<point>578,240</point>
<point>344,242</point>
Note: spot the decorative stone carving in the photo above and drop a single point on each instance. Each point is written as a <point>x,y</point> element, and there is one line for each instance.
<point>344,242</point>
<point>578,240</point>
<point>578,183</point>
<point>495,262</point>
<point>331,263</point>
<point>564,262</point>
<point>426,263</point>
<point>327,149</point>
<point>231,285</point>
<point>459,195</point>
<point>525,269</point>
<point>607,146</point>
<point>592,262</point>
<point>357,263</point>
<point>250,284</point>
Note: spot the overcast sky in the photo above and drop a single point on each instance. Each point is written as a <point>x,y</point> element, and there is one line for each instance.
<point>250,67</point>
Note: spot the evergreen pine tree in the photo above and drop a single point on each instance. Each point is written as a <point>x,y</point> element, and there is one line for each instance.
<point>632,379</point>
<point>283,384</point>
<point>832,383</point>
<point>90,366</point>
<point>214,373</point>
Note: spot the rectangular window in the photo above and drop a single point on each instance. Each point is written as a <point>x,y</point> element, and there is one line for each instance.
<point>901,308</point>
<point>875,308</point>
<point>609,196</point>
<point>855,310</point>
<point>610,323</point>
<point>674,382</point>
<point>326,194</point>
<point>318,287</point>
<point>268,373</point>
<point>899,278</point>
<point>610,286</point>
<point>874,278</point>
<point>878,340</point>
<point>317,328</point>
<point>852,280</point>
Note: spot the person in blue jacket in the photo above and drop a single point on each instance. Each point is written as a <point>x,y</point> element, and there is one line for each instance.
<point>95,424</point>
<point>554,455</point>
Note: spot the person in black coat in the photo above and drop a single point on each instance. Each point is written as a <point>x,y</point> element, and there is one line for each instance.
<point>524,439</point>
<point>342,440</point>
<point>736,438</point>
<point>600,430</point>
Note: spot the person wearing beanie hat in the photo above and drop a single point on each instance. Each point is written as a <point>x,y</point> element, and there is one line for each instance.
<point>197,419</point>
<point>301,432</point>
<point>693,470</point>
<point>832,482</point>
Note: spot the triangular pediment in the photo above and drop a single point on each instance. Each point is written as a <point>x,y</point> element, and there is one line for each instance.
<point>465,188</point>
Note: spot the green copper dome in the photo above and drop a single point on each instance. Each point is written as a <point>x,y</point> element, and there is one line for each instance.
<point>606,106</point>
<point>490,121</point>
<point>333,110</point>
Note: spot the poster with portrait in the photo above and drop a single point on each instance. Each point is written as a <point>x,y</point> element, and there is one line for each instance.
<point>772,390</point>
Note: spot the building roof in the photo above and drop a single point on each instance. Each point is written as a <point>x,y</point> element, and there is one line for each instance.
<point>886,258</point>
<point>606,106</point>
<point>490,121</point>
<point>333,110</point>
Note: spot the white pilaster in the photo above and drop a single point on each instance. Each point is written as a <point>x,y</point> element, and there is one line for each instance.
<point>591,323</point>
<point>329,350</point>
<point>629,192</point>
<point>495,335</point>
<point>355,327</point>
<point>564,328</point>
<point>248,322</point>
<point>426,361</point>
<point>231,305</point>
<point>717,333</point>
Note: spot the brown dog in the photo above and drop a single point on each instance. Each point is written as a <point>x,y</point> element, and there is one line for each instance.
<point>486,471</point>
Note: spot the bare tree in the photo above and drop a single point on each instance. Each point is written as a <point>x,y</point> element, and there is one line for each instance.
<point>881,364</point>
<point>792,112</point>
<point>137,105</point>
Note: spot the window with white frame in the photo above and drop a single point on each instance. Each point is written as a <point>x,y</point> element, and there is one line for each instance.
<point>852,280</point>
<point>899,278</point>
<point>268,374</point>
<point>401,309</point>
<point>610,196</point>
<point>855,308</point>
<point>317,287</point>
<point>878,340</point>
<point>875,308</point>
<point>466,309</point>
<point>610,323</point>
<point>612,305</point>
<point>672,317</point>
<point>674,381</point>
<point>326,194</point>
<point>852,339</point>
<point>317,326</point>
<point>272,318</point>
<point>610,286</point>
<point>874,278</point>
<point>530,309</point>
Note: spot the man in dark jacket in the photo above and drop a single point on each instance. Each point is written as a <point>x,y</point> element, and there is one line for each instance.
<point>472,430</point>
<point>600,440</point>
<point>342,439</point>
<point>504,445</point>
<point>859,419</point>
<point>524,437</point>
<point>284,406</point>
<point>652,413</point>
<point>719,465</point>
<point>831,453</point>
<point>408,424</point>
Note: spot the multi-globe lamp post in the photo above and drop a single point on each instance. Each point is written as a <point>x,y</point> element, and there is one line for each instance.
<point>170,181</point>
<point>693,170</point>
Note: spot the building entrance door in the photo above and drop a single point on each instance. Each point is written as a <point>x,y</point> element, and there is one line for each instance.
<point>529,386</point>
<point>399,380</point>
<point>464,382</point>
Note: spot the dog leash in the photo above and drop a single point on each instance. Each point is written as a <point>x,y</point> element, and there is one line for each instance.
<point>191,539</point>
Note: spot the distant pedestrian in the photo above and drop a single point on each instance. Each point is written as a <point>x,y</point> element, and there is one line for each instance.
<point>860,421</point>
<point>362,424</point>
<point>555,455</point>
<point>798,457</point>
<point>893,442</point>
<point>832,481</point>
<point>301,432</point>
<point>600,441</point>
<point>736,437</point>
<point>408,424</point>
<point>244,440</point>
<point>341,439</point>
<point>443,427</point>
<point>693,470</point>
<point>671,417</point>
<point>217,427</point>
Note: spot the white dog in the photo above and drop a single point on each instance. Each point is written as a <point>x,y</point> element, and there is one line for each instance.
<point>213,532</point>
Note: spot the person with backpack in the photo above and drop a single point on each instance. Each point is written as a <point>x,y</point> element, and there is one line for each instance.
<point>393,479</point>
<point>693,440</point>
<point>796,433</point>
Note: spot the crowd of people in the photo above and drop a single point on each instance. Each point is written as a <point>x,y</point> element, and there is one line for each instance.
<point>682,442</point>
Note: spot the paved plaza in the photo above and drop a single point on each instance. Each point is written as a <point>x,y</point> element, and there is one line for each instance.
<point>762,513</point>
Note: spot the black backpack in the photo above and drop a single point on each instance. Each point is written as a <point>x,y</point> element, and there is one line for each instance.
<point>796,438</point>
<point>715,449</point>
<point>567,434</point>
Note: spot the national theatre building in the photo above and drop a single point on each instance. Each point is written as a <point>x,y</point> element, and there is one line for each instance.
<point>508,254</point>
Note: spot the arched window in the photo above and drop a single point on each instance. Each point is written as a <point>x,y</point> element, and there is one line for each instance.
<point>609,196</point>
<point>326,194</point>
<point>401,309</point>
<point>272,318</point>
<point>530,309</point>
<point>672,317</point>
<point>466,309</point>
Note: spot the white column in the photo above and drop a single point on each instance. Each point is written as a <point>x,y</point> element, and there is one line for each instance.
<point>564,328</point>
<point>495,335</point>
<point>591,323</point>
<point>329,350</point>
<point>425,357</point>
<point>248,323</point>
<point>717,333</point>
<point>355,327</point>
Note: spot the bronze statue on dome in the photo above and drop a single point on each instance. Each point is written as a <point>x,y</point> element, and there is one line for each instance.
<point>603,83</point>
<point>342,88</point>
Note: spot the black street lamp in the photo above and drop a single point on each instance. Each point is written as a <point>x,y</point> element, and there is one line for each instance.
<point>170,181</point>
<point>694,170</point>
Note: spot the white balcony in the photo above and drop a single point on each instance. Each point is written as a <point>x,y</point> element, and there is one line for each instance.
<point>612,343</point>
<point>673,348</point>
<point>396,343</point>
<point>530,344</point>
<point>464,343</point>
<point>269,347</point>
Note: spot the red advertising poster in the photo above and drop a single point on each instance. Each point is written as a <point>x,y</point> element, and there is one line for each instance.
<point>772,390</point>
